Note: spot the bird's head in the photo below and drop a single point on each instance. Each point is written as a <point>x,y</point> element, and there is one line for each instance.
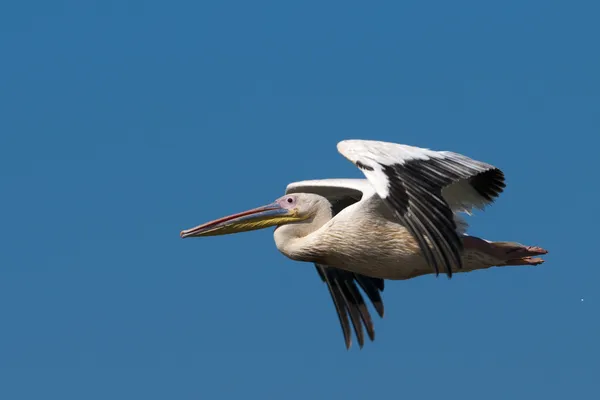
<point>288,209</point>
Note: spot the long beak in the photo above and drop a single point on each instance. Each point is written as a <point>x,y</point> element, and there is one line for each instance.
<point>257,218</point>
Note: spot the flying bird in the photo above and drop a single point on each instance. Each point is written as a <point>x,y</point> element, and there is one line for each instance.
<point>401,222</point>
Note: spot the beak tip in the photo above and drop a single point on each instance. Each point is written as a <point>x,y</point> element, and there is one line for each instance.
<point>182,234</point>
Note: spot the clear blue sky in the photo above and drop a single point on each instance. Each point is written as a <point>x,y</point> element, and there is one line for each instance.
<point>123,122</point>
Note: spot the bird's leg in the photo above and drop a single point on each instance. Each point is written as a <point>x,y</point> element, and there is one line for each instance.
<point>505,253</point>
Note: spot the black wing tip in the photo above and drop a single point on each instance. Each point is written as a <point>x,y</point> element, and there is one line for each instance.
<point>449,274</point>
<point>348,341</point>
<point>349,303</point>
<point>489,184</point>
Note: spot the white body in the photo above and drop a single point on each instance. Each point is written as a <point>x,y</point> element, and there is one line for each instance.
<point>364,238</point>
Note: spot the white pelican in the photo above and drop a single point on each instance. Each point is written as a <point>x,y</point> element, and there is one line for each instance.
<point>399,223</point>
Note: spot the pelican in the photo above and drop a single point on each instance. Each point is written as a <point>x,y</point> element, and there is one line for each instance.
<point>399,223</point>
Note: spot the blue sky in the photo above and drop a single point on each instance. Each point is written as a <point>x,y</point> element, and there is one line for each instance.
<point>123,122</point>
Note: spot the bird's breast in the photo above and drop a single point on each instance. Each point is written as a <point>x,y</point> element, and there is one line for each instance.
<point>382,249</point>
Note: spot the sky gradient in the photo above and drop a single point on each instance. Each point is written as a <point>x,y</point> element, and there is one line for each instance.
<point>123,122</point>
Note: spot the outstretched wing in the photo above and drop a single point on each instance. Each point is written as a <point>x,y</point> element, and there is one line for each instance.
<point>423,188</point>
<point>348,300</point>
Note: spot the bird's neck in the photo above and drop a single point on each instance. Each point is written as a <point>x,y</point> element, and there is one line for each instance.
<point>299,241</point>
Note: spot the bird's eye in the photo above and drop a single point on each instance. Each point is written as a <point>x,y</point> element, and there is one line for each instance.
<point>290,200</point>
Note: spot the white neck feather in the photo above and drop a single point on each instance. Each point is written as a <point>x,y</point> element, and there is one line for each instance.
<point>297,240</point>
